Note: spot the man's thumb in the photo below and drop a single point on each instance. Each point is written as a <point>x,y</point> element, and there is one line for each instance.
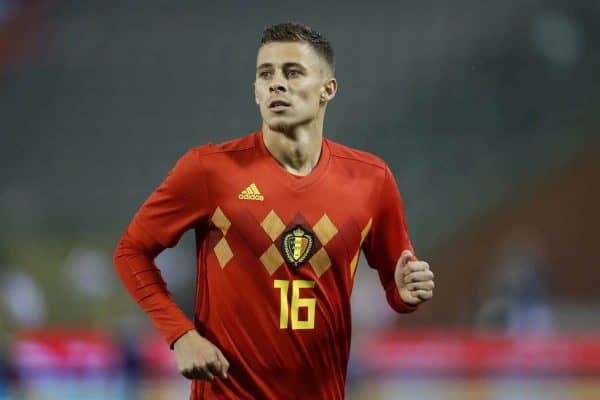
<point>406,256</point>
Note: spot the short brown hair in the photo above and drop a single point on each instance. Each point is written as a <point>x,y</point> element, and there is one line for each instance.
<point>296,32</point>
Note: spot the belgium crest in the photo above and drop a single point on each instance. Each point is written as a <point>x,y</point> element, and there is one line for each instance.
<point>297,244</point>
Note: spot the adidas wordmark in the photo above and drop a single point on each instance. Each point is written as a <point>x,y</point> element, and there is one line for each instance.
<point>251,193</point>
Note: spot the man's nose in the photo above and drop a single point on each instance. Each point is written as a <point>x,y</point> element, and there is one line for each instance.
<point>277,85</point>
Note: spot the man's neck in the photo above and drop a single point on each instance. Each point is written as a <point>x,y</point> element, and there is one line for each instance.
<point>297,151</point>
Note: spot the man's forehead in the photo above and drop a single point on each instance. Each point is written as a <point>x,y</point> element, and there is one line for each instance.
<point>278,53</point>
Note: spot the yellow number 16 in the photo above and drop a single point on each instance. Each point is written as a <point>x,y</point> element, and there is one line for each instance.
<point>297,303</point>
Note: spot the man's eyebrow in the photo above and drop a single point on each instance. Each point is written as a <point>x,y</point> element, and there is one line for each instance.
<point>285,65</point>
<point>265,65</point>
<point>293,64</point>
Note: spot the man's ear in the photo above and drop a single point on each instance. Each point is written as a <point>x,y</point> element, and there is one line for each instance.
<point>328,90</point>
<point>255,94</point>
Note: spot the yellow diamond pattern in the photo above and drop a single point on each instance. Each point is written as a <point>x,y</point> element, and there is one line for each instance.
<point>325,229</point>
<point>223,252</point>
<point>354,264</point>
<point>271,259</point>
<point>220,220</point>
<point>363,235</point>
<point>320,261</point>
<point>273,225</point>
<point>365,231</point>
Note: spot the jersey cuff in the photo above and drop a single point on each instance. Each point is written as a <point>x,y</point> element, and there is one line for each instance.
<point>174,336</point>
<point>396,302</point>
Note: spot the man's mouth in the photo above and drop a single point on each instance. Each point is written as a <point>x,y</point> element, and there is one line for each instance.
<point>278,104</point>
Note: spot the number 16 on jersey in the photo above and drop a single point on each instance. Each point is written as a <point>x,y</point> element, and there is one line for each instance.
<point>297,303</point>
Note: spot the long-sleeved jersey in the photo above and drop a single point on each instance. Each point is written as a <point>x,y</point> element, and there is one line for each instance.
<point>276,257</point>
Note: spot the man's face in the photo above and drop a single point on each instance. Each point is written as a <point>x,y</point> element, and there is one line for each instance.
<point>291,84</point>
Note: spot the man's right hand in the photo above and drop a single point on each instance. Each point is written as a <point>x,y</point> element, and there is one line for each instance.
<point>197,358</point>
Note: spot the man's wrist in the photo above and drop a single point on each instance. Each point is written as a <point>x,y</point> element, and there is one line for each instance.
<point>179,336</point>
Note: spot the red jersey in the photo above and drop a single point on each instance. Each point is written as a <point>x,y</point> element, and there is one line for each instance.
<point>276,257</point>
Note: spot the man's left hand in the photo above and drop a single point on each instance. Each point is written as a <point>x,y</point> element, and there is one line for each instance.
<point>414,279</point>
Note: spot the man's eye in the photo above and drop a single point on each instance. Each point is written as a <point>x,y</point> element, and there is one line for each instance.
<point>293,73</point>
<point>265,75</point>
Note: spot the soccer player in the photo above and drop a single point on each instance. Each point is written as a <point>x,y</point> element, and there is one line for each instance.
<point>280,218</point>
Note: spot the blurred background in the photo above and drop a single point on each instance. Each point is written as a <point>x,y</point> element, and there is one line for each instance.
<point>487,112</point>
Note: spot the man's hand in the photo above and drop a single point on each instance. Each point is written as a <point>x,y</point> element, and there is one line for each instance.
<point>197,358</point>
<point>414,279</point>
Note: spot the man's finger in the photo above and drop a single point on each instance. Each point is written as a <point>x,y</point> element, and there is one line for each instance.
<point>224,364</point>
<point>419,276</point>
<point>204,373</point>
<point>187,374</point>
<point>215,367</point>
<point>424,294</point>
<point>425,285</point>
<point>405,257</point>
<point>415,266</point>
<point>197,372</point>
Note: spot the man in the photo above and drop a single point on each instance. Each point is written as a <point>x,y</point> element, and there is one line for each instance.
<point>280,217</point>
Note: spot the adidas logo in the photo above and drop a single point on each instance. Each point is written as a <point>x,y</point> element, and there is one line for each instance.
<point>251,193</point>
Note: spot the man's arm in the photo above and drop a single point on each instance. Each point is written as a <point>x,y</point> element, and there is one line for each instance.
<point>134,263</point>
<point>177,205</point>
<point>195,356</point>
<point>388,249</point>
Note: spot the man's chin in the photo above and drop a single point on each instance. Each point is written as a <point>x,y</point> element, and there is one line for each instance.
<point>285,125</point>
<point>281,126</point>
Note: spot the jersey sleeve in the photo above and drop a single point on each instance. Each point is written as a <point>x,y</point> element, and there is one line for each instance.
<point>134,264</point>
<point>387,239</point>
<point>177,205</point>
